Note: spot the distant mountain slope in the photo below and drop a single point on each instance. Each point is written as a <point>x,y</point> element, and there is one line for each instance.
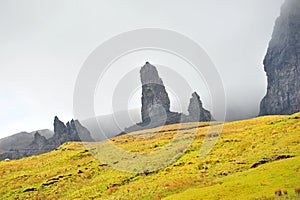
<point>22,139</point>
<point>251,150</point>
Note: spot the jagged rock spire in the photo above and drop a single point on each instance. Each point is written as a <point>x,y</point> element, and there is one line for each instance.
<point>196,110</point>
<point>71,131</point>
<point>59,126</point>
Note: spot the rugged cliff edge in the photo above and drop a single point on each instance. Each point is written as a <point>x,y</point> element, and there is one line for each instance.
<point>282,63</point>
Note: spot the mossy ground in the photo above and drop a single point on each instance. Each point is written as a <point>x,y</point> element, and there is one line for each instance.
<point>73,172</point>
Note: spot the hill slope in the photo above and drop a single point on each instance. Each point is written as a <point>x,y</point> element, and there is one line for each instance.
<point>251,159</point>
<point>261,182</point>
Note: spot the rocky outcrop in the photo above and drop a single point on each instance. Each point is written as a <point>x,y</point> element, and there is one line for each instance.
<point>282,63</point>
<point>38,146</point>
<point>70,132</point>
<point>59,128</point>
<point>196,111</point>
<point>83,133</point>
<point>64,133</point>
<point>39,141</point>
<point>156,104</point>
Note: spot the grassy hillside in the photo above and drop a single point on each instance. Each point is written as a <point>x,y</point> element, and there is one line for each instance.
<point>250,160</point>
<point>282,175</point>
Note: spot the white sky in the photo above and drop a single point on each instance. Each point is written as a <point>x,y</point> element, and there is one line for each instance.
<point>43,45</point>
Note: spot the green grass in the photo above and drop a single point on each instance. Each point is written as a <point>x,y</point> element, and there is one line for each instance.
<point>259,183</point>
<point>74,172</point>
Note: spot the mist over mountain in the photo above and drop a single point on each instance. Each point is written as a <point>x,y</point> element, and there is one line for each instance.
<point>108,126</point>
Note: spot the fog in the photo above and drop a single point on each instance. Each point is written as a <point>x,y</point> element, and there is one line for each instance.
<point>45,43</point>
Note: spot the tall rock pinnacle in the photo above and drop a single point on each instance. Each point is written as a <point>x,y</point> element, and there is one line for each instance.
<point>282,63</point>
<point>155,99</point>
<point>59,127</point>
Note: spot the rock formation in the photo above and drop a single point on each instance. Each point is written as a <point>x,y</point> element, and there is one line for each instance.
<point>72,131</point>
<point>38,146</point>
<point>39,141</point>
<point>196,111</point>
<point>84,133</point>
<point>155,99</point>
<point>156,103</point>
<point>64,133</point>
<point>282,63</point>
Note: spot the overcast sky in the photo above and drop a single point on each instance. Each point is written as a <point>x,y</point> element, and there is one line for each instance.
<point>43,45</point>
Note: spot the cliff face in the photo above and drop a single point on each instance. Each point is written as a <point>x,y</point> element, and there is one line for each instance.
<point>282,63</point>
